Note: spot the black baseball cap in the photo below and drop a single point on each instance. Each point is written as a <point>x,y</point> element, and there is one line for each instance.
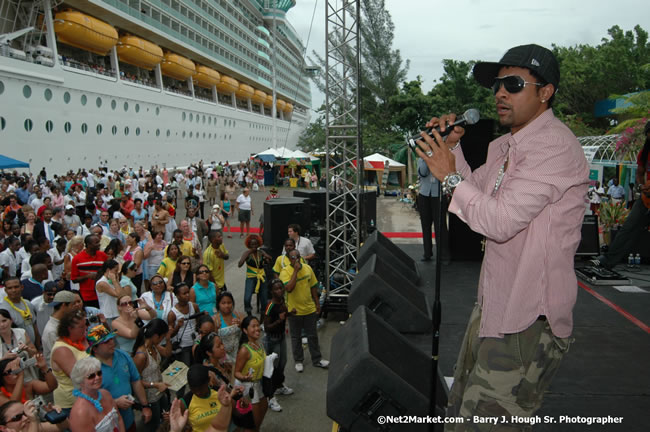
<point>538,59</point>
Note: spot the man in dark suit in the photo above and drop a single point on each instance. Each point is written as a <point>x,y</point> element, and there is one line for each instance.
<point>44,228</point>
<point>428,205</point>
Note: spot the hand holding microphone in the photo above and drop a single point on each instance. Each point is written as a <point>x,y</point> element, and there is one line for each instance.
<point>445,125</point>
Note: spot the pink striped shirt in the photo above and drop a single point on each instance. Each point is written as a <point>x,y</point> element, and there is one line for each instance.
<point>532,225</point>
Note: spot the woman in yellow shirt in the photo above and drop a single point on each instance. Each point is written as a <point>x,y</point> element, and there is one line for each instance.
<point>249,366</point>
<point>168,264</point>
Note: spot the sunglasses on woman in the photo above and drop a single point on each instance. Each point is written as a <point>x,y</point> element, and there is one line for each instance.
<point>185,263</point>
<point>94,374</point>
<point>17,417</point>
<point>512,84</point>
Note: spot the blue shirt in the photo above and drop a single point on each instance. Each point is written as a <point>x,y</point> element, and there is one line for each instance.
<point>206,299</point>
<point>137,217</point>
<point>428,183</point>
<point>617,192</point>
<point>23,195</point>
<point>118,378</point>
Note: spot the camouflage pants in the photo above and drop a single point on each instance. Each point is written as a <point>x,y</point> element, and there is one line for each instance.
<point>496,378</point>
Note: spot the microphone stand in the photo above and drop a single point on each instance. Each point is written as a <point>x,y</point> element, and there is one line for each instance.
<point>436,314</point>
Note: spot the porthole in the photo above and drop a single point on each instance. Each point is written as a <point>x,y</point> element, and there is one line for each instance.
<point>203,135</point>
<point>48,95</point>
<point>2,87</point>
<point>157,132</point>
<point>137,108</point>
<point>183,134</point>
<point>98,101</point>
<point>67,127</point>
<point>198,118</point>
<point>3,123</point>
<point>209,120</point>
<point>168,133</point>
<point>84,128</point>
<point>84,100</point>
<point>203,119</point>
<point>113,104</point>
<point>191,134</point>
<point>114,130</point>
<point>49,126</point>
<point>29,124</point>
<point>27,91</point>
<point>191,117</point>
<point>137,131</point>
<point>184,115</point>
<point>99,129</point>
<point>126,131</point>
<point>157,110</point>
<point>126,106</point>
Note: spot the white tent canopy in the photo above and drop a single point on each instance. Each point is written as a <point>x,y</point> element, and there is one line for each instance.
<point>381,158</point>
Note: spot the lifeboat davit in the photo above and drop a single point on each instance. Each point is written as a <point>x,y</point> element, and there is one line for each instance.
<point>85,32</point>
<point>139,52</point>
<point>288,107</point>
<point>259,97</point>
<point>245,91</point>
<point>228,84</point>
<point>206,77</point>
<point>280,104</point>
<point>177,67</point>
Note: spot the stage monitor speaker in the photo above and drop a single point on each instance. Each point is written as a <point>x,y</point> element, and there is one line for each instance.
<point>384,290</point>
<point>375,371</point>
<point>377,243</point>
<point>318,204</point>
<point>465,244</point>
<point>278,214</point>
<point>589,241</point>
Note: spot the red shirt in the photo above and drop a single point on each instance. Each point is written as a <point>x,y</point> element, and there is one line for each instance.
<point>83,264</point>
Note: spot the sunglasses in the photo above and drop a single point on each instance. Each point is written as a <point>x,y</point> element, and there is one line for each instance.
<point>125,304</point>
<point>158,283</point>
<point>94,374</point>
<point>9,372</point>
<point>185,263</point>
<point>203,271</point>
<point>512,84</point>
<point>17,417</point>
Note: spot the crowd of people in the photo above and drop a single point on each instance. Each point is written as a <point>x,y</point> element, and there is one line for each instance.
<point>104,286</point>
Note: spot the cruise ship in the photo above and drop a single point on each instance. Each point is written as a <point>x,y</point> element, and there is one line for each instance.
<point>85,83</point>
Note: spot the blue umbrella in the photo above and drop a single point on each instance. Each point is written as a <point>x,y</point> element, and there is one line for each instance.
<point>7,162</point>
<point>266,157</point>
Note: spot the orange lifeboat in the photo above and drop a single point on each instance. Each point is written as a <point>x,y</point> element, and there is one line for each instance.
<point>139,52</point>
<point>85,32</point>
<point>259,97</point>
<point>228,84</point>
<point>206,77</point>
<point>280,104</point>
<point>245,91</point>
<point>177,67</point>
<point>269,101</point>
<point>288,107</point>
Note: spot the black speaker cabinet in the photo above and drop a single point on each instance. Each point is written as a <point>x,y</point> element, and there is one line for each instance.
<point>374,372</point>
<point>278,214</point>
<point>379,244</point>
<point>318,204</point>
<point>384,290</point>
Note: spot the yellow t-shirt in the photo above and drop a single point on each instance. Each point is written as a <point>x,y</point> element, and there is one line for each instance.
<point>186,249</point>
<point>216,264</point>
<point>167,267</point>
<point>202,411</point>
<point>63,393</point>
<point>283,261</point>
<point>256,362</point>
<point>300,298</point>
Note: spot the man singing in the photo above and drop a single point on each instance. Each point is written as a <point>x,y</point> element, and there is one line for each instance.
<point>528,200</point>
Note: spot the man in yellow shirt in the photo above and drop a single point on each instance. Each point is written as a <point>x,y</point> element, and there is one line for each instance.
<point>304,307</point>
<point>214,257</point>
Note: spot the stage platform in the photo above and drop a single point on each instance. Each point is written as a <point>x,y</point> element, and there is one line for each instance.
<point>606,371</point>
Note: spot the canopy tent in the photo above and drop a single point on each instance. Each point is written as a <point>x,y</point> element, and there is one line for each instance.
<point>376,163</point>
<point>7,162</point>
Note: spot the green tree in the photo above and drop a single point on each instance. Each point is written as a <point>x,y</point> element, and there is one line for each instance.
<point>313,137</point>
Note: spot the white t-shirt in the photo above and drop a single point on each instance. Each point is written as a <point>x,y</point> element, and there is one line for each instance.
<point>594,198</point>
<point>244,202</point>
<point>9,259</point>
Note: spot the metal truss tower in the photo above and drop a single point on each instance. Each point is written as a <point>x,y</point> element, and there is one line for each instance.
<point>343,147</point>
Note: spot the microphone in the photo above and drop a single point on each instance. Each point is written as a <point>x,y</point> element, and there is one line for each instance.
<point>471,116</point>
<point>196,315</point>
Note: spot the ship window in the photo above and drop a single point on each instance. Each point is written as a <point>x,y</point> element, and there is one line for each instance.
<point>126,106</point>
<point>84,128</point>
<point>168,132</point>
<point>2,87</point>
<point>3,123</point>
<point>113,104</point>
<point>29,125</point>
<point>99,129</point>
<point>197,118</point>
<point>183,134</point>
<point>49,126</point>
<point>157,132</point>
<point>67,127</point>
<point>137,108</point>
<point>191,117</point>
<point>114,130</point>
<point>157,110</point>
<point>209,120</point>
<point>184,115</point>
<point>27,91</point>
<point>204,119</point>
<point>203,135</point>
<point>84,99</point>
<point>191,134</point>
<point>126,131</point>
<point>137,131</point>
<point>98,101</point>
<point>210,135</point>
<point>48,95</point>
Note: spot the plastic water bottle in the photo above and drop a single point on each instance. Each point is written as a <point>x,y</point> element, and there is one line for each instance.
<point>630,261</point>
<point>637,261</point>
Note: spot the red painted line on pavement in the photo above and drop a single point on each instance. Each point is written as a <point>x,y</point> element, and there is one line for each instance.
<point>634,320</point>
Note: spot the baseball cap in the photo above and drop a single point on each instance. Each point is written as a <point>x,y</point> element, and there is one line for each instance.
<point>69,207</point>
<point>97,335</point>
<point>538,59</point>
<point>63,297</point>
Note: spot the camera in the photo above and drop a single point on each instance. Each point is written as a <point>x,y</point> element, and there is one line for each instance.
<point>139,323</point>
<point>48,416</point>
<point>17,350</point>
<point>24,364</point>
<point>135,304</point>
<point>92,320</point>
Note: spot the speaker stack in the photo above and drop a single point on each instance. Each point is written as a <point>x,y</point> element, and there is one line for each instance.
<point>381,358</point>
<point>279,213</point>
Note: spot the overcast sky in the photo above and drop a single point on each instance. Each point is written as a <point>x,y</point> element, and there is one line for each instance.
<point>427,31</point>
